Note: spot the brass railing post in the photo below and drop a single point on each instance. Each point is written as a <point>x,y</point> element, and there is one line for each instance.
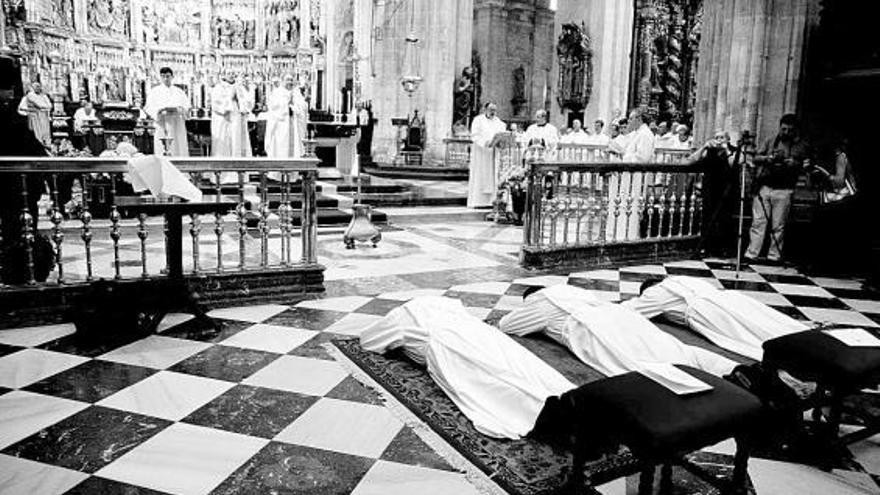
<point>309,227</point>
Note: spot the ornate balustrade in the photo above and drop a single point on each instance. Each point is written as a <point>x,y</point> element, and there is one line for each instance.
<point>601,212</point>
<point>233,252</point>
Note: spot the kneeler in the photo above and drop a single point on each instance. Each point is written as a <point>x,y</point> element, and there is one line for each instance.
<point>658,426</point>
<point>838,369</point>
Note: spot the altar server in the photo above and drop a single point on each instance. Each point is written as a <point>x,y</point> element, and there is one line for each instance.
<point>278,120</point>
<point>542,132</point>
<point>498,384</point>
<point>608,337</point>
<point>481,181</point>
<point>36,106</point>
<point>729,319</point>
<point>168,105</point>
<point>577,134</point>
<point>245,99</point>
<point>224,117</point>
<point>299,118</point>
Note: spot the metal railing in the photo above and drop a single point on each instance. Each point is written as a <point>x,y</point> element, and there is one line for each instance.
<point>575,205</point>
<point>239,238</point>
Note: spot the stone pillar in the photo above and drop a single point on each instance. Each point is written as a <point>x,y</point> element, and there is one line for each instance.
<point>332,99</point>
<point>443,29</point>
<point>751,63</point>
<point>609,24</point>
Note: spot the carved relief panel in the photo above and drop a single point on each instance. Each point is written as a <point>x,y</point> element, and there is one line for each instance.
<point>55,13</point>
<point>234,24</point>
<point>575,82</point>
<point>282,23</point>
<point>110,18</point>
<point>667,47</point>
<point>171,22</point>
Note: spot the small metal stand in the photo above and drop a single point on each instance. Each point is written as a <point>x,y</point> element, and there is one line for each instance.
<point>361,228</point>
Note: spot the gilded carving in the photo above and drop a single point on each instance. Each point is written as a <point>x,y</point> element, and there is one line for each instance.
<point>575,82</point>
<point>173,22</point>
<point>109,17</point>
<point>282,24</point>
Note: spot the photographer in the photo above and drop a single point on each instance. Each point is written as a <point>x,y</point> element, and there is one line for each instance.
<point>779,163</point>
<point>717,158</point>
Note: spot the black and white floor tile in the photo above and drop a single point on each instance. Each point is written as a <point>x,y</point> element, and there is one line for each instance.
<point>263,407</point>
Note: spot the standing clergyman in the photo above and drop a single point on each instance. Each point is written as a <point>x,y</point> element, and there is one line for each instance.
<point>36,107</point>
<point>481,182</point>
<point>167,105</point>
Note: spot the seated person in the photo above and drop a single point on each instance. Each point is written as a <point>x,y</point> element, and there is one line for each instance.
<point>498,384</point>
<point>608,337</point>
<point>730,320</point>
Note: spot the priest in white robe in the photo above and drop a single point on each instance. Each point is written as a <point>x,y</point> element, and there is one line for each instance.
<point>608,337</point>
<point>495,382</point>
<point>729,319</point>
<point>224,117</point>
<point>36,106</point>
<point>543,133</point>
<point>481,179</point>
<point>168,105</point>
<point>577,134</point>
<point>299,118</point>
<point>277,139</point>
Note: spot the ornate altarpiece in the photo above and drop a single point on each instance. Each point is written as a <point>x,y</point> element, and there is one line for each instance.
<point>666,39</point>
<point>575,83</point>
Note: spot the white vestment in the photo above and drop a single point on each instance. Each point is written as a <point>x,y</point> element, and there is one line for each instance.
<point>730,320</point>
<point>224,119</point>
<point>299,119</point>
<point>625,188</point>
<point>81,118</point>
<point>245,99</point>
<point>600,139</point>
<point>481,180</point>
<point>497,383</point>
<point>172,122</point>
<point>576,137</point>
<point>277,139</point>
<point>547,134</point>
<point>665,141</point>
<point>608,337</point>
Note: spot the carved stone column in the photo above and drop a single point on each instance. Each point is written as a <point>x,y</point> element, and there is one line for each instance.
<point>751,60</point>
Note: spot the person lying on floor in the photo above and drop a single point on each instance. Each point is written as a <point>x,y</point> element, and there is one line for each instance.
<point>610,338</point>
<point>613,338</point>
<point>495,382</point>
<point>729,319</point>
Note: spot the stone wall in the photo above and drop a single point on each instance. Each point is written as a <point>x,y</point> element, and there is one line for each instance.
<point>751,63</point>
<point>507,35</point>
<point>444,31</point>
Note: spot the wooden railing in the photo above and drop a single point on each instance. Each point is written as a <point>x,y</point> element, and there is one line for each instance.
<point>589,205</point>
<point>114,247</point>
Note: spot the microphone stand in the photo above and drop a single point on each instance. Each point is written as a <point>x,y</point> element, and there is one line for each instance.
<point>742,201</point>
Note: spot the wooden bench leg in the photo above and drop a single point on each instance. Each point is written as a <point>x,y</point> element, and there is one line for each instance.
<point>646,480</point>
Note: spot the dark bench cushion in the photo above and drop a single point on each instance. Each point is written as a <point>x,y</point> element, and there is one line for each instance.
<point>654,422</point>
<point>813,355</point>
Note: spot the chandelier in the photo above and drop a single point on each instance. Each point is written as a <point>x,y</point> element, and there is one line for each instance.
<point>411,78</point>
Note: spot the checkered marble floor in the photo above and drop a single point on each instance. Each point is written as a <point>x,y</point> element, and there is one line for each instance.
<point>263,406</point>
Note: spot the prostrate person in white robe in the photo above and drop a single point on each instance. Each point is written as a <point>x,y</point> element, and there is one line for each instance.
<point>299,118</point>
<point>608,337</point>
<point>277,139</point>
<point>730,320</point>
<point>224,115</point>
<point>481,178</point>
<point>168,105</point>
<point>542,133</point>
<point>495,382</point>
<point>36,106</point>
